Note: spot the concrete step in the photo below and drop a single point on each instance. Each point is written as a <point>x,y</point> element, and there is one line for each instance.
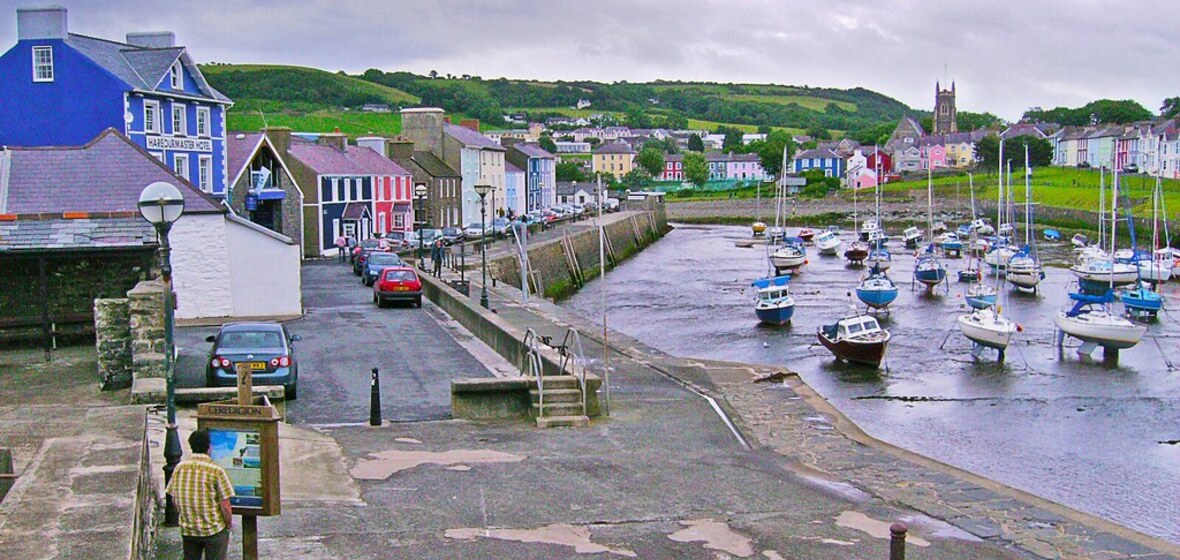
<point>562,421</point>
<point>557,395</point>
<point>558,409</point>
<point>560,382</point>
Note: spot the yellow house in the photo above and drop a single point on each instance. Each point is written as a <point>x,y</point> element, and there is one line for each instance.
<point>616,158</point>
<point>960,154</point>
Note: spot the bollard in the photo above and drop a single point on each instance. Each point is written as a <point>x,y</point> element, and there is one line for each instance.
<point>897,533</point>
<point>375,399</point>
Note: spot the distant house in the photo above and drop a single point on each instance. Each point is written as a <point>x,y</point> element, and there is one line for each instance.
<point>616,158</point>
<point>393,200</point>
<point>572,147</point>
<point>65,201</point>
<point>933,152</point>
<point>673,168</point>
<point>734,167</point>
<point>262,188</point>
<point>443,206</point>
<point>748,138</point>
<point>877,159</point>
<point>376,108</point>
<point>515,189</point>
<point>826,160</point>
<point>860,174</point>
<point>907,159</point>
<point>960,147</point>
<point>540,169</point>
<point>907,133</point>
<point>575,193</point>
<point>63,89</point>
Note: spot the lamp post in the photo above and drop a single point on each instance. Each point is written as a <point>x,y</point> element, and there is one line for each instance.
<point>482,191</point>
<point>420,198</point>
<point>161,204</point>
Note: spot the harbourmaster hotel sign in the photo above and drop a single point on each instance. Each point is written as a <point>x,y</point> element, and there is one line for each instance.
<point>181,144</point>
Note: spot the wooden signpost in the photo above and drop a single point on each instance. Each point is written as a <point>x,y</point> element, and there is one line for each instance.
<point>244,439</point>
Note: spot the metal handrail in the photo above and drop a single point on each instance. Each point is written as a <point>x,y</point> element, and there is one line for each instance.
<point>579,373</point>
<point>531,365</point>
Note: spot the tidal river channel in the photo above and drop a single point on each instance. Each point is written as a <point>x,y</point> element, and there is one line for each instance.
<point>1093,436</point>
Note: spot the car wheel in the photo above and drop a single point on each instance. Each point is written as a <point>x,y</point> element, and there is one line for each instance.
<point>291,392</point>
<point>418,302</point>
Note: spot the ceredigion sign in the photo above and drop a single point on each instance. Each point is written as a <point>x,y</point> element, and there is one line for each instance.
<point>244,440</point>
<point>182,144</point>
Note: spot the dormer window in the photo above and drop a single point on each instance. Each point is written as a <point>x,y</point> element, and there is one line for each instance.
<point>177,76</point>
<point>43,64</point>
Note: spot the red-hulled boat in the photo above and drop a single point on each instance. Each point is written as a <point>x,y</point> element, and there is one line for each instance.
<point>806,234</point>
<point>857,339</point>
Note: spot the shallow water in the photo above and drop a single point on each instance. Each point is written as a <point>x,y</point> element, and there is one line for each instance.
<point>1074,430</point>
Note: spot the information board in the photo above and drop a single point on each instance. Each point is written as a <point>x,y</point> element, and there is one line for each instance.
<point>238,452</point>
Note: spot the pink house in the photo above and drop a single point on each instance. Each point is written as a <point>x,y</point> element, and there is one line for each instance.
<point>933,154</point>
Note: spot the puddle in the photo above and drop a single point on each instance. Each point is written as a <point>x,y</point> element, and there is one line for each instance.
<point>873,527</point>
<point>382,465</point>
<point>715,535</point>
<point>559,534</point>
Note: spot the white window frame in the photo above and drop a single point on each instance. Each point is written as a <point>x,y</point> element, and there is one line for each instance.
<point>158,155</point>
<point>152,126</point>
<point>183,131</point>
<point>381,223</point>
<point>205,173</point>
<point>39,66</point>
<point>177,168</point>
<point>203,113</point>
<point>176,76</point>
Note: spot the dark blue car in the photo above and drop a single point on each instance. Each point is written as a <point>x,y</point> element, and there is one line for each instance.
<point>264,347</point>
<point>376,263</point>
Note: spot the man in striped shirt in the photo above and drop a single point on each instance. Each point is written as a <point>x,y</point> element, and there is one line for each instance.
<point>201,490</point>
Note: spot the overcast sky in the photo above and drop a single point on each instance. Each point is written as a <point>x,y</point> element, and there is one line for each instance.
<point>1005,56</point>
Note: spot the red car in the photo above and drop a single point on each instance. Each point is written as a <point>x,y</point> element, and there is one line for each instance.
<point>397,283</point>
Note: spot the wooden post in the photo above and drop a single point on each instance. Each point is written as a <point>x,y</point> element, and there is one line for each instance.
<point>245,385</point>
<point>249,537</point>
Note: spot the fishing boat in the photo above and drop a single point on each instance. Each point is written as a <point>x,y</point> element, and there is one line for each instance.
<point>912,237</point>
<point>969,275</point>
<point>1170,254</point>
<point>789,256</point>
<point>988,328</point>
<point>806,234</point>
<point>869,227</point>
<point>1106,272</point>
<point>857,252</point>
<point>981,226</point>
<point>856,339</point>
<point>877,290</point>
<point>950,243</point>
<point>774,304</point>
<point>827,243</point>
<point>1090,321</point>
<point>1141,302</point>
<point>759,228</point>
<point>999,255</point>
<point>980,296</point>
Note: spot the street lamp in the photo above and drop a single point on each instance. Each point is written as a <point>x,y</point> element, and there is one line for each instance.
<point>161,204</point>
<point>420,198</point>
<point>482,191</point>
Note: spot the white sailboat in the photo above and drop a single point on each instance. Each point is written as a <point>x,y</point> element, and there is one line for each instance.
<point>1099,267</point>
<point>986,326</point>
<point>1024,268</point>
<point>1158,268</point>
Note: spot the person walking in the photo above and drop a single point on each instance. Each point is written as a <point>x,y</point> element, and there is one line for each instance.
<point>436,257</point>
<point>201,490</point>
<point>341,246</point>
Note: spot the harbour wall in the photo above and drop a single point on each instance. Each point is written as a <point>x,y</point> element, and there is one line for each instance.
<point>559,267</point>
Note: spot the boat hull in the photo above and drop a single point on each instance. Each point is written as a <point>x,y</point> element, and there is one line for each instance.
<point>787,262</point>
<point>1102,329</point>
<point>877,299</point>
<point>985,332</point>
<point>982,301</point>
<point>856,255</point>
<point>931,277</point>
<point>1155,271</point>
<point>866,353</point>
<point>777,315</point>
<point>1119,277</point>
<point>1024,278</point>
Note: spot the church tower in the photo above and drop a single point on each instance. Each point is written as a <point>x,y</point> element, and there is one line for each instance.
<point>944,110</point>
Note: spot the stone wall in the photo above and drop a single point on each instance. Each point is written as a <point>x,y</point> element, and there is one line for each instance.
<point>146,324</point>
<point>112,339</point>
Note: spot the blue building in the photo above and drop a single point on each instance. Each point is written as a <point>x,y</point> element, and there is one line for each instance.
<point>540,174</point>
<point>827,160</point>
<point>63,89</point>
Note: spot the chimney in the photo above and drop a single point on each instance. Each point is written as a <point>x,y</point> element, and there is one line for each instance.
<point>48,22</point>
<point>280,137</point>
<point>423,126</point>
<point>334,139</point>
<point>375,143</point>
<point>473,124</point>
<point>400,149</point>
<point>152,39</point>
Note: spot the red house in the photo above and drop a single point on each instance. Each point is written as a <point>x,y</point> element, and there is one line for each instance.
<point>876,158</point>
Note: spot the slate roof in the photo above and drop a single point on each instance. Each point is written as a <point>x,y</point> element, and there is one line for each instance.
<point>62,234</point>
<point>566,188</point>
<point>532,151</point>
<point>615,148</point>
<point>509,168</point>
<point>239,146</point>
<point>140,67</point>
<point>356,160</point>
<point>812,154</point>
<point>105,175</point>
<point>715,156</point>
<point>471,138</point>
<point>433,166</point>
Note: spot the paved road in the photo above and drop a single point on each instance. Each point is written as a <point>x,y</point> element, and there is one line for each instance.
<point>344,337</point>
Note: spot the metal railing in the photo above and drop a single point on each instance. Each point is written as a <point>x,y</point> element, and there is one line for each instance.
<point>579,361</point>
<point>531,365</point>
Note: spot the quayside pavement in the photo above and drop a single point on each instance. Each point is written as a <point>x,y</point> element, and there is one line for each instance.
<point>777,414</point>
<point>662,477</point>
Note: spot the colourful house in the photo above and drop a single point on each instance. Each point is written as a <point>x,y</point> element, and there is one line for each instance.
<point>673,168</point>
<point>933,152</point>
<point>393,202</point>
<point>616,158</point>
<point>826,160</point>
<point>62,89</point>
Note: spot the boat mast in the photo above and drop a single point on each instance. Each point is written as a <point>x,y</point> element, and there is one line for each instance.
<point>1114,216</point>
<point>1164,211</point>
<point>1000,192</point>
<point>1027,202</point>
<point>1101,207</point>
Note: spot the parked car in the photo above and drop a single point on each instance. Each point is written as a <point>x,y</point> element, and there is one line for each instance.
<point>474,230</point>
<point>264,347</point>
<point>358,265</point>
<point>578,209</point>
<point>1131,168</point>
<point>451,235</point>
<point>376,263</point>
<point>398,239</point>
<point>364,245</point>
<point>611,205</point>
<point>499,226</point>
<point>399,283</point>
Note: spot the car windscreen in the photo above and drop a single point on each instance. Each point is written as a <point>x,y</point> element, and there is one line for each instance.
<point>250,339</point>
<point>400,276</point>
<point>384,258</point>
<point>369,243</point>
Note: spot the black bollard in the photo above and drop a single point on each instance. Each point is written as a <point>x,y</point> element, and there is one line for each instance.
<point>375,400</point>
<point>897,533</point>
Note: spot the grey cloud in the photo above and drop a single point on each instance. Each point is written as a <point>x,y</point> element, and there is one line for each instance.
<point>1003,56</point>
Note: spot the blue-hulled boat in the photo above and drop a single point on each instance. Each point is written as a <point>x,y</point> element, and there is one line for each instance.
<point>1142,302</point>
<point>980,296</point>
<point>928,269</point>
<point>877,290</point>
<point>1052,235</point>
<point>774,305</point>
<point>879,257</point>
